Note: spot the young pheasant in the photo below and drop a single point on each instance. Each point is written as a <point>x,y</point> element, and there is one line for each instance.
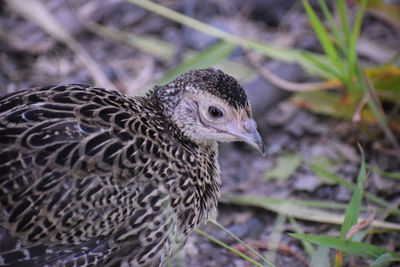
<point>91,177</point>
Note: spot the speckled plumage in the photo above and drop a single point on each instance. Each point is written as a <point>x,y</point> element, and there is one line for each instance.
<point>91,177</point>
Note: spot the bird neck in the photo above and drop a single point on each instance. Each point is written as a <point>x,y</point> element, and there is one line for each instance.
<point>162,106</point>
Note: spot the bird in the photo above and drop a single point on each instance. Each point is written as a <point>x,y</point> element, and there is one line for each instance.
<point>91,177</point>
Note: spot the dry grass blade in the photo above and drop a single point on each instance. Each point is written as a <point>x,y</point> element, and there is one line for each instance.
<point>276,237</point>
<point>288,85</point>
<point>36,12</point>
<point>362,224</point>
<point>148,44</point>
<point>360,106</point>
<point>304,212</point>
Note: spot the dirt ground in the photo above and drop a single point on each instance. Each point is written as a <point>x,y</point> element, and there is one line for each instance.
<point>30,57</point>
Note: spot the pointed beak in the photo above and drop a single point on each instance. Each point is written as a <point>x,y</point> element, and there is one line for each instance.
<point>249,134</point>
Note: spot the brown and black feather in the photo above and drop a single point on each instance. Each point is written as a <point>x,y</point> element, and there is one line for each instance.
<point>89,176</point>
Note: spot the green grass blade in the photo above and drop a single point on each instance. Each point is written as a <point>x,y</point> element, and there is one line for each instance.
<point>327,103</point>
<point>169,263</point>
<point>186,20</point>
<point>384,260</point>
<point>335,30</point>
<point>329,176</point>
<point>323,37</point>
<point>207,58</point>
<point>392,175</point>
<point>354,206</point>
<point>342,8</point>
<point>241,242</point>
<point>278,53</point>
<point>222,244</point>
<point>320,258</point>
<point>352,55</point>
<point>339,180</point>
<point>321,66</point>
<point>289,55</point>
<point>361,234</point>
<point>354,248</point>
<point>283,54</point>
<point>307,245</point>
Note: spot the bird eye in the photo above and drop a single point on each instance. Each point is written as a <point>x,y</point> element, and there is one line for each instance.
<point>215,112</point>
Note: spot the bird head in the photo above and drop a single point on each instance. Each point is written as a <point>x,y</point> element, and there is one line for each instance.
<point>208,105</point>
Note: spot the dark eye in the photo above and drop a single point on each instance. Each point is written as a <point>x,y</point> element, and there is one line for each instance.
<point>215,112</point>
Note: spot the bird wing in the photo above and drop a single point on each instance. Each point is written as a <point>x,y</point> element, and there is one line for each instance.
<point>72,161</point>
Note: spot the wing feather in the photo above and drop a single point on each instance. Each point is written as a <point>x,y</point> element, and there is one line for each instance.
<point>65,155</point>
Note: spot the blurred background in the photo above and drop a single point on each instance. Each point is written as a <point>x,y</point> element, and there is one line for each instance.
<point>323,78</point>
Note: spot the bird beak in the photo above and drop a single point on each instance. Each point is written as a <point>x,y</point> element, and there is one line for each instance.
<point>248,133</point>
